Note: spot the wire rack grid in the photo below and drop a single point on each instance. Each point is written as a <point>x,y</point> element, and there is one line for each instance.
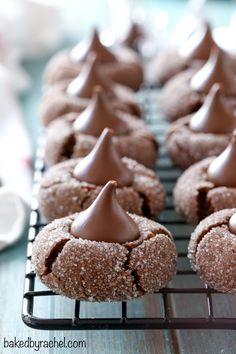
<point>185,304</point>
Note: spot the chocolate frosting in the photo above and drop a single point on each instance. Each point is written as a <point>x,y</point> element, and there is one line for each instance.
<point>214,116</point>
<point>232,224</point>
<point>222,171</point>
<point>89,77</point>
<point>105,220</point>
<point>198,45</point>
<point>82,51</point>
<point>98,115</point>
<point>103,163</point>
<point>216,70</point>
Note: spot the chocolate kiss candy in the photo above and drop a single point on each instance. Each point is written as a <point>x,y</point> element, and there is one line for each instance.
<point>83,49</point>
<point>99,115</point>
<point>89,77</point>
<point>216,70</point>
<point>198,45</point>
<point>214,116</point>
<point>222,171</point>
<point>103,164</point>
<point>135,32</point>
<point>232,224</point>
<point>105,220</point>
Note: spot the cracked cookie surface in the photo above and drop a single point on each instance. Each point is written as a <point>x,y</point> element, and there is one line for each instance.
<point>186,147</point>
<point>101,271</point>
<point>212,251</point>
<point>195,197</point>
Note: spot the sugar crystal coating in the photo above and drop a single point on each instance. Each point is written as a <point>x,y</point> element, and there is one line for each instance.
<point>62,194</point>
<point>100,271</point>
<point>212,251</point>
<point>195,196</point>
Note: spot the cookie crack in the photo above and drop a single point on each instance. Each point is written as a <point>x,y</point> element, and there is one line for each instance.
<point>204,206</point>
<point>83,286</point>
<point>183,152</point>
<point>53,184</point>
<point>52,257</point>
<point>212,227</point>
<point>134,273</point>
<point>146,210</point>
<point>193,251</point>
<point>68,147</point>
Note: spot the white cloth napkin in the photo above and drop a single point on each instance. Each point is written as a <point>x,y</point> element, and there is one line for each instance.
<point>13,216</point>
<point>15,165</point>
<point>28,28</point>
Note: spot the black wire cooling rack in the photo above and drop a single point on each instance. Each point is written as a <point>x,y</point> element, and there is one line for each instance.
<point>185,304</point>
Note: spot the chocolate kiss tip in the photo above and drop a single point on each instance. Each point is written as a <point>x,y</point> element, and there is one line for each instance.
<point>113,182</point>
<point>215,70</point>
<point>103,163</point>
<point>88,78</point>
<point>214,116</point>
<point>99,115</point>
<point>105,220</point>
<point>93,45</point>
<point>199,44</point>
<point>232,224</point>
<point>95,32</point>
<point>133,34</point>
<point>221,171</point>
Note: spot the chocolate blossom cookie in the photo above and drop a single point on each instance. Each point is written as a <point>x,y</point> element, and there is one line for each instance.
<point>72,185</point>
<point>66,97</point>
<point>104,253</point>
<point>193,52</point>
<point>120,64</point>
<point>212,250</point>
<point>186,92</point>
<point>207,186</point>
<point>75,135</point>
<point>202,134</point>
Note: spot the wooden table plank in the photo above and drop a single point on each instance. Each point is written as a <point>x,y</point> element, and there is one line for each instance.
<point>204,341</point>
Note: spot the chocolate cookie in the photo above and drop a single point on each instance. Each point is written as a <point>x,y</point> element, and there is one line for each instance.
<point>202,134</point>
<point>104,253</point>
<point>66,97</point>
<point>167,64</point>
<point>177,99</point>
<point>120,64</point>
<point>207,186</point>
<point>74,136</point>
<point>212,251</point>
<point>185,92</point>
<point>61,193</point>
<point>192,53</point>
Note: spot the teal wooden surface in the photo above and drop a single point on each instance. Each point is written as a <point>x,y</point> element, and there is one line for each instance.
<point>12,264</point>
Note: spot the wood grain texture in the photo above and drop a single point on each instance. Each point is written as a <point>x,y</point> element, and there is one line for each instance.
<point>204,341</point>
